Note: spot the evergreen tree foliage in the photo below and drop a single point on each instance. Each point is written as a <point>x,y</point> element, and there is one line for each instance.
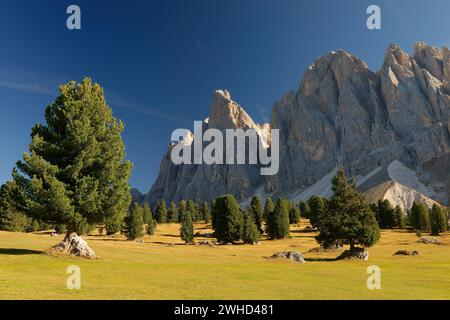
<point>414,216</point>
<point>258,213</point>
<point>424,217</point>
<point>439,220</point>
<point>75,173</point>
<point>12,218</point>
<point>182,206</point>
<point>278,220</point>
<point>385,214</point>
<point>268,208</point>
<point>161,212</point>
<point>304,209</point>
<point>172,213</point>
<point>192,208</point>
<point>349,219</point>
<point>250,233</point>
<point>399,217</point>
<point>134,222</point>
<point>317,210</point>
<point>187,228</point>
<point>294,214</point>
<point>147,212</point>
<point>228,219</point>
<point>206,213</point>
<point>114,224</point>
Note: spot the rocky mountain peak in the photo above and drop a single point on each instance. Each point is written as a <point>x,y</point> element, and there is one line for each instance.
<point>227,114</point>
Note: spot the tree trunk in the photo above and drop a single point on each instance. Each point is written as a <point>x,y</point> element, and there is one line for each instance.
<point>73,244</point>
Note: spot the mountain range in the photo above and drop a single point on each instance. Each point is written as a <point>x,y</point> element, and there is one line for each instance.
<point>389,129</point>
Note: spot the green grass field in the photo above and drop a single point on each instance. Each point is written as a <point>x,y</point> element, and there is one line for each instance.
<point>155,270</point>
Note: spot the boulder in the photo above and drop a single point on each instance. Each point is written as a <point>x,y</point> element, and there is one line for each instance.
<point>429,240</point>
<point>356,253</point>
<point>291,255</point>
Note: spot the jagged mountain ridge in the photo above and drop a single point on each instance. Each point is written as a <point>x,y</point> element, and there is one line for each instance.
<point>343,114</point>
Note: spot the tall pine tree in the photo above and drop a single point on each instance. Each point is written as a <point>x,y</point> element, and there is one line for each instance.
<point>76,173</point>
<point>278,220</point>
<point>134,222</point>
<point>258,213</point>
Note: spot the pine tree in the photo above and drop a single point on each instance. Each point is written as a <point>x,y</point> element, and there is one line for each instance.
<point>439,220</point>
<point>317,210</point>
<point>268,209</point>
<point>76,173</point>
<point>12,218</point>
<point>424,217</point>
<point>151,226</point>
<point>161,212</point>
<point>258,213</point>
<point>172,213</point>
<point>187,228</point>
<point>148,219</point>
<point>134,222</point>
<point>228,219</point>
<point>206,214</point>
<point>414,216</point>
<point>349,219</point>
<point>304,209</point>
<point>385,214</point>
<point>278,220</point>
<point>399,217</point>
<point>192,208</point>
<point>294,214</point>
<point>114,225</point>
<point>182,206</point>
<point>147,212</point>
<point>250,233</point>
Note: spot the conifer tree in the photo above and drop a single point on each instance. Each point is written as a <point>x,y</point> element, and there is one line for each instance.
<point>147,212</point>
<point>258,213</point>
<point>134,222</point>
<point>294,214</point>
<point>385,214</point>
<point>439,220</point>
<point>187,228</point>
<point>399,217</point>
<point>268,208</point>
<point>182,206</point>
<point>250,233</point>
<point>192,208</point>
<point>349,219</point>
<point>206,213</point>
<point>76,173</point>
<point>317,210</point>
<point>228,219</point>
<point>304,209</point>
<point>278,220</point>
<point>172,213</point>
<point>424,218</point>
<point>161,212</point>
<point>414,216</point>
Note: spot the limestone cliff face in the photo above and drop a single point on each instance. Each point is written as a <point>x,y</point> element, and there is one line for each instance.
<point>343,114</point>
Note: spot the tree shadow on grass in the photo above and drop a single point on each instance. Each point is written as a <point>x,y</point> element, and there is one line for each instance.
<point>18,252</point>
<point>321,259</point>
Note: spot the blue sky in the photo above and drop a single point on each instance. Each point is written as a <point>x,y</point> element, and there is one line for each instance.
<point>159,61</point>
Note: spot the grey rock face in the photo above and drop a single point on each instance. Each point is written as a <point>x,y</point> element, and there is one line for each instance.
<point>343,114</point>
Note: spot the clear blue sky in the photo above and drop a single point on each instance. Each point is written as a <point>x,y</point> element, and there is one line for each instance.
<point>159,61</point>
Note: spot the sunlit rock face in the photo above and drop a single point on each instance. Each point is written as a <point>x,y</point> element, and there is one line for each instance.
<point>343,114</point>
